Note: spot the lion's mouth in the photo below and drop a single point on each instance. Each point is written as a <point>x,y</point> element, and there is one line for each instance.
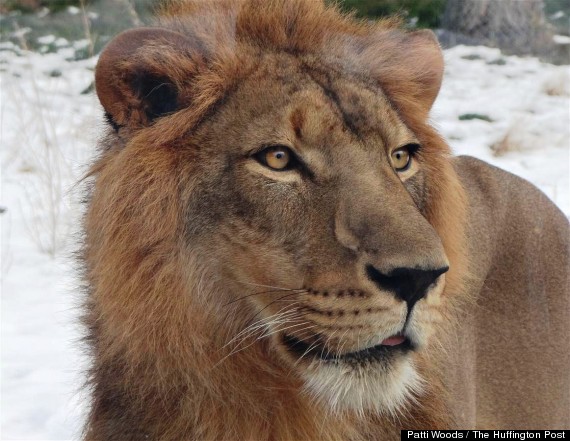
<point>389,347</point>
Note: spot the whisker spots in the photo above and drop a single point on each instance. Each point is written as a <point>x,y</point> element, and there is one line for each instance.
<point>340,293</point>
<point>341,312</point>
<point>340,327</point>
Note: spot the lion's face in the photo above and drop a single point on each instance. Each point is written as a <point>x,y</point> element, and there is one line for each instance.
<point>308,200</point>
<point>300,187</point>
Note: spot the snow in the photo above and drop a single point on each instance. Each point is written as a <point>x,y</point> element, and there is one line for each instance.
<point>47,39</point>
<point>48,130</point>
<point>561,39</point>
<point>527,100</point>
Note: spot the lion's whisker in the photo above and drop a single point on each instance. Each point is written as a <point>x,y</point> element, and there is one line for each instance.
<point>279,288</point>
<point>311,346</point>
<point>276,330</point>
<point>285,312</point>
<point>342,343</point>
<point>263,322</point>
<point>266,318</point>
<point>259,293</point>
<point>235,350</point>
<point>272,302</point>
<point>326,345</point>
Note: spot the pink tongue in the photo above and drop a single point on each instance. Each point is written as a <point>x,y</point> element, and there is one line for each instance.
<point>394,340</point>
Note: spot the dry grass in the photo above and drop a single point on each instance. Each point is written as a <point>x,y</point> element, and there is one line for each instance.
<point>516,139</point>
<point>41,148</point>
<point>44,171</point>
<point>557,84</point>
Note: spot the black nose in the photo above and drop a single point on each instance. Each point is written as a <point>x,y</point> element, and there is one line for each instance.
<point>408,284</point>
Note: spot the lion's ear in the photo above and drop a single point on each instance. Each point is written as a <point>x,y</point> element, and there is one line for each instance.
<point>140,75</point>
<point>428,58</point>
<point>408,66</point>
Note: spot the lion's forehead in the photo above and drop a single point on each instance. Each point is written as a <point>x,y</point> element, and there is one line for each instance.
<point>288,99</point>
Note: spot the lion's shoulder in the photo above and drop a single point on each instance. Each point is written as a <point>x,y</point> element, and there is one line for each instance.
<point>506,215</point>
<point>503,193</point>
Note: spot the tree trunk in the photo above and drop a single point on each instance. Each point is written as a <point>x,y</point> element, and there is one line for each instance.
<point>516,26</point>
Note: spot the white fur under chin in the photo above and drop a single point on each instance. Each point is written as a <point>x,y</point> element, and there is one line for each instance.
<point>378,388</point>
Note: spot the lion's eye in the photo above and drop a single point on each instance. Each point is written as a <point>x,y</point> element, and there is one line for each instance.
<point>278,158</point>
<point>402,157</point>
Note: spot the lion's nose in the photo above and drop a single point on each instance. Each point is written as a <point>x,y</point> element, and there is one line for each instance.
<point>408,284</point>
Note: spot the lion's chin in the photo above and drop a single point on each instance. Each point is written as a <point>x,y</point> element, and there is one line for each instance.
<point>381,388</point>
<point>379,379</point>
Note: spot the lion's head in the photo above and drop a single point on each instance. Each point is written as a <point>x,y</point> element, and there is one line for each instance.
<point>281,152</point>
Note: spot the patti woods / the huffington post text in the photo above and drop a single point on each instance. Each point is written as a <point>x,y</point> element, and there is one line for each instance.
<point>483,435</point>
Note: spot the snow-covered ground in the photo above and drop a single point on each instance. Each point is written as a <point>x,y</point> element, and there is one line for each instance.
<point>529,105</point>
<point>48,132</point>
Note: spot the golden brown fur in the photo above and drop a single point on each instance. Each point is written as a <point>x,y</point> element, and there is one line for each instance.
<point>190,242</point>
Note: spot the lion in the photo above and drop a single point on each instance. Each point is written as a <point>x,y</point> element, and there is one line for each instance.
<point>279,246</point>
